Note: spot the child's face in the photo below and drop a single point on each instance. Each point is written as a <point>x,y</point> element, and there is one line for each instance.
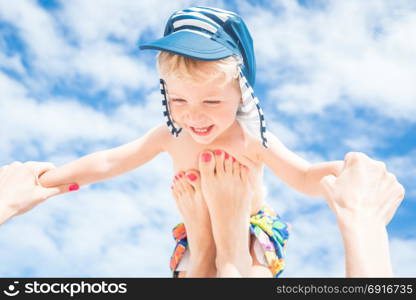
<point>204,110</point>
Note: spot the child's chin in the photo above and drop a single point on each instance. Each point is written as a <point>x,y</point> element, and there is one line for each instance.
<point>204,140</point>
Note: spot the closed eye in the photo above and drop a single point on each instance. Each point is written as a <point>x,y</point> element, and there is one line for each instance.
<point>178,100</point>
<point>213,102</point>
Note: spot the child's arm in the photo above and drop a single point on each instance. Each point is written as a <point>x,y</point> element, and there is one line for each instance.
<point>105,164</point>
<point>316,172</point>
<point>294,170</point>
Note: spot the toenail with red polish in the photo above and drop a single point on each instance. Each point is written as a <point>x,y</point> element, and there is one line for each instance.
<point>180,175</point>
<point>226,155</point>
<point>233,159</point>
<point>218,152</point>
<point>206,157</point>
<point>192,177</point>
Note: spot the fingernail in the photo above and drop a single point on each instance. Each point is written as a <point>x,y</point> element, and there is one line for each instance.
<point>192,177</point>
<point>73,187</point>
<point>206,157</point>
<point>218,152</point>
<point>245,167</point>
<point>226,155</point>
<point>180,175</point>
<point>233,159</point>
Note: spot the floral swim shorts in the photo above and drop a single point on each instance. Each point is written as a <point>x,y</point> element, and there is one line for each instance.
<point>271,235</point>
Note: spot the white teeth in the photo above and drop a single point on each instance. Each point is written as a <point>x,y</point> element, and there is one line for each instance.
<point>204,129</point>
<point>201,129</point>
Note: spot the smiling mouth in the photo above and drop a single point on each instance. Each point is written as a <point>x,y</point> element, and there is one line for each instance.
<point>201,131</point>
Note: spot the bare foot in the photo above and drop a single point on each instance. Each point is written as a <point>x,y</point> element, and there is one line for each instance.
<point>228,192</point>
<point>187,192</point>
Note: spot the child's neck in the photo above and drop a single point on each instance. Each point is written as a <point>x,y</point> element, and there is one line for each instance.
<point>229,134</point>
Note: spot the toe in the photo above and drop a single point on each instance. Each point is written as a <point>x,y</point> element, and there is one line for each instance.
<point>207,163</point>
<point>228,164</point>
<point>243,170</point>
<point>193,178</point>
<point>219,161</point>
<point>176,187</point>
<point>183,183</point>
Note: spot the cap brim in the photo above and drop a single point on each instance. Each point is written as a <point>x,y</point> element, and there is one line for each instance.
<point>190,44</point>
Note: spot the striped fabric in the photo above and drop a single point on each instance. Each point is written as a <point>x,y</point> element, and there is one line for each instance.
<point>249,114</point>
<point>165,108</point>
<point>209,22</point>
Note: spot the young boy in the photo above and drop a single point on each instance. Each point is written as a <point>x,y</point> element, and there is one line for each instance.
<point>218,142</point>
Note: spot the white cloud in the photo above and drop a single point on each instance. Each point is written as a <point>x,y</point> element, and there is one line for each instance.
<point>76,42</point>
<point>402,255</point>
<point>354,49</point>
<point>12,62</point>
<point>59,122</point>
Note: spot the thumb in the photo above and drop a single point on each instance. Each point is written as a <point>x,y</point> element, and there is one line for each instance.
<point>328,184</point>
<point>58,190</point>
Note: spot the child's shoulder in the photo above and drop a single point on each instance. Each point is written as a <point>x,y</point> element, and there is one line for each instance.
<point>160,134</point>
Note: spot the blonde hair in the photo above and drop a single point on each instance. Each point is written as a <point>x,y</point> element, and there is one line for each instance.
<point>197,71</point>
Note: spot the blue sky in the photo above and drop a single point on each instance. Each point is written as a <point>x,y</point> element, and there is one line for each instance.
<point>333,77</point>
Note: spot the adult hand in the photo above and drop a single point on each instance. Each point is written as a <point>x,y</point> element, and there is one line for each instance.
<point>364,198</point>
<point>364,190</point>
<point>20,190</point>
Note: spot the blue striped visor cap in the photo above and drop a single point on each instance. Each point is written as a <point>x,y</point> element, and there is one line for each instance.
<point>207,33</point>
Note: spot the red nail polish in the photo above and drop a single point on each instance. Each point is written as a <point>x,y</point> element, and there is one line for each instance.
<point>192,177</point>
<point>73,187</point>
<point>180,175</point>
<point>218,152</point>
<point>206,157</point>
<point>233,159</point>
<point>226,155</point>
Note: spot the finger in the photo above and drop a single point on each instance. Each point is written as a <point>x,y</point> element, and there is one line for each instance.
<point>39,167</point>
<point>16,163</point>
<point>390,209</point>
<point>339,166</point>
<point>3,170</point>
<point>328,184</point>
<point>57,190</point>
<point>353,158</point>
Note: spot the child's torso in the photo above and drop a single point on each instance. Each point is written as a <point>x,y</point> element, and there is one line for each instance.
<point>185,152</point>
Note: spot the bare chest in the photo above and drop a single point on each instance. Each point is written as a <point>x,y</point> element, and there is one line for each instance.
<point>185,156</point>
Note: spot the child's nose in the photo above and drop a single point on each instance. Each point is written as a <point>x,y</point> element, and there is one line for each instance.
<point>196,115</point>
